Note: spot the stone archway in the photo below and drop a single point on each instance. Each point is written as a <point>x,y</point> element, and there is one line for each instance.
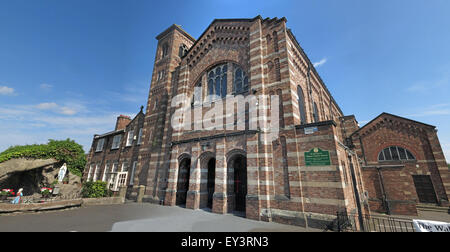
<point>207,179</point>
<point>237,181</point>
<point>184,171</point>
<point>211,181</point>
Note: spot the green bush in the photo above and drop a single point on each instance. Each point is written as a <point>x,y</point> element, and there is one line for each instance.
<point>67,151</point>
<point>97,189</point>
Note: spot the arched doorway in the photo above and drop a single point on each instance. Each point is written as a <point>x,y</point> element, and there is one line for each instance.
<point>238,181</point>
<point>211,181</point>
<point>184,171</point>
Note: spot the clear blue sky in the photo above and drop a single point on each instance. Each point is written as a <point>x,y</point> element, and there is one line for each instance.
<point>68,68</point>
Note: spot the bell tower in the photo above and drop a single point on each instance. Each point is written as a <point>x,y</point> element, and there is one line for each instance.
<point>172,46</point>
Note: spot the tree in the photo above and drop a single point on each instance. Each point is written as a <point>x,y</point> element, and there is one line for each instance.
<point>67,151</point>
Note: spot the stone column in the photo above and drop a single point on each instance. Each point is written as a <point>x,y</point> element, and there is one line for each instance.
<point>220,185</point>
<point>171,191</point>
<point>193,195</point>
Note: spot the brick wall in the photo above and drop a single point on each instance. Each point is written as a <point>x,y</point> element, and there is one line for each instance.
<point>280,187</point>
<point>397,176</point>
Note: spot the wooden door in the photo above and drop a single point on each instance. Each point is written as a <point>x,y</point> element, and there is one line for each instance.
<point>425,189</point>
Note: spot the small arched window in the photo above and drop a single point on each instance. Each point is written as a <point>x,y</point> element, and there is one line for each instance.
<point>240,83</point>
<point>301,105</point>
<point>395,153</point>
<point>275,41</point>
<point>183,50</point>
<point>277,70</point>
<point>165,50</point>
<point>315,112</point>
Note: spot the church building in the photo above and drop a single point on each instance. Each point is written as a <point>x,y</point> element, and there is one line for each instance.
<point>239,121</point>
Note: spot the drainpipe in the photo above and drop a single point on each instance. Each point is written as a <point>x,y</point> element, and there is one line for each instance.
<point>356,192</point>
<point>383,191</point>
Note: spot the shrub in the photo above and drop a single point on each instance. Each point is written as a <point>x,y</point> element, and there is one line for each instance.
<point>96,189</point>
<point>67,151</point>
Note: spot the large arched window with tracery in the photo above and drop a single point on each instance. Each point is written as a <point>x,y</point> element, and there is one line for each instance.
<point>395,153</point>
<point>218,80</point>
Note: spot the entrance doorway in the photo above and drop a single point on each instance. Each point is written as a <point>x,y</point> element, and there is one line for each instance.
<point>240,182</point>
<point>211,181</point>
<point>183,181</point>
<point>425,189</point>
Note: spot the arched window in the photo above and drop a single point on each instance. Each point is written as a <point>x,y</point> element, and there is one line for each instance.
<point>268,38</point>
<point>280,104</point>
<point>217,81</point>
<point>165,50</point>
<point>395,153</point>
<point>155,105</point>
<point>301,105</point>
<point>277,69</point>
<point>240,83</point>
<point>275,41</point>
<point>183,50</point>
<point>315,112</point>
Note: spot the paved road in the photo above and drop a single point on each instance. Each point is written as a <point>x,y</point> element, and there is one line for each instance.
<point>136,217</point>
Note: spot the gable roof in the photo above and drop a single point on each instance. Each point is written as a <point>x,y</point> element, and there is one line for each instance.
<point>384,114</point>
<point>175,27</point>
<point>233,20</point>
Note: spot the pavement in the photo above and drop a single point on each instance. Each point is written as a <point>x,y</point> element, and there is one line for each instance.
<point>134,217</point>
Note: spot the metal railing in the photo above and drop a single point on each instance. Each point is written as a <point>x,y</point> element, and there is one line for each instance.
<point>369,223</point>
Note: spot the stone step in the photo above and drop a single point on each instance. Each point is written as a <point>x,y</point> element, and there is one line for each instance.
<point>433,208</point>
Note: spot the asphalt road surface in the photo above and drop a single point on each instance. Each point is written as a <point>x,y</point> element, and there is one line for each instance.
<point>136,218</point>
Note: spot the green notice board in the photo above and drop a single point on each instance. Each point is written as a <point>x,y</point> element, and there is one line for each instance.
<point>317,157</point>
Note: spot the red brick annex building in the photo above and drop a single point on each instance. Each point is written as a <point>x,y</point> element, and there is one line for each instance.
<point>321,161</point>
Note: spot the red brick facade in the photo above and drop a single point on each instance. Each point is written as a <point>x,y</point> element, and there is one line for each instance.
<point>244,169</point>
<point>390,183</point>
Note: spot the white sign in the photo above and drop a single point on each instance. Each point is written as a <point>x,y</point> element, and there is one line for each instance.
<point>431,226</point>
<point>310,130</point>
<point>62,173</point>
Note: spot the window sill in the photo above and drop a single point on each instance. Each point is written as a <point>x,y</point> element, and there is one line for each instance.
<point>240,93</point>
<point>396,161</point>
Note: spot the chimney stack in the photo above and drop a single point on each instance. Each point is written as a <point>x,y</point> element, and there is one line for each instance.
<point>122,122</point>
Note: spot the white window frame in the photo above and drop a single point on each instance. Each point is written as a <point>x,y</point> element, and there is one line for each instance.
<point>105,171</point>
<point>91,166</point>
<point>113,175</point>
<point>124,164</point>
<point>116,143</point>
<point>100,144</point>
<point>114,167</point>
<point>130,138</point>
<point>95,173</point>
<point>139,137</point>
